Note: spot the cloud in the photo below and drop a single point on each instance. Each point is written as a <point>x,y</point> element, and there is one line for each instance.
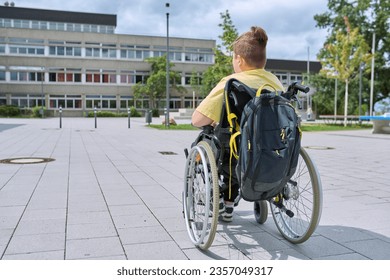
<point>287,22</point>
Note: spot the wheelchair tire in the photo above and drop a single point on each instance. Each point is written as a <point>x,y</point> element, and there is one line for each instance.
<point>201,195</point>
<point>304,200</point>
<point>260,210</point>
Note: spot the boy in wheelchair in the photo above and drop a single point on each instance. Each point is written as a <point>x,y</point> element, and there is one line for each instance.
<point>249,60</point>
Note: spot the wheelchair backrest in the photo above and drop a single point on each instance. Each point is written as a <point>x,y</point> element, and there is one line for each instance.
<point>238,95</point>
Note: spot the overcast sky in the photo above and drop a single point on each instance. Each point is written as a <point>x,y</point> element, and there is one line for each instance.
<point>289,23</point>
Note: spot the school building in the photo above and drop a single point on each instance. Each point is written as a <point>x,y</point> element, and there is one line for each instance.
<point>76,61</point>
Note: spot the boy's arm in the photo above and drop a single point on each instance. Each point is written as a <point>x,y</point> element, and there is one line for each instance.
<point>199,120</point>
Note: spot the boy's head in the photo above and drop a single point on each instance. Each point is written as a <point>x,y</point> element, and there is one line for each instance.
<point>251,47</point>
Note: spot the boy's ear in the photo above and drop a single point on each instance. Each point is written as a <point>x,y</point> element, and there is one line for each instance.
<point>239,58</point>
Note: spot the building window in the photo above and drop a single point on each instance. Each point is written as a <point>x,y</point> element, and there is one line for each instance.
<point>126,102</point>
<point>26,75</point>
<point>199,55</point>
<point>100,101</point>
<point>127,77</point>
<point>135,52</point>
<point>92,52</point>
<point>188,76</point>
<point>109,77</point>
<point>60,48</point>
<point>27,100</point>
<point>294,77</point>
<point>141,77</point>
<point>68,75</point>
<point>175,53</point>
<point>3,99</point>
<point>27,46</point>
<point>67,101</point>
<point>100,76</point>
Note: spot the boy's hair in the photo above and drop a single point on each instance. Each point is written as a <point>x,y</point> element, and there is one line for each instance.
<point>252,46</point>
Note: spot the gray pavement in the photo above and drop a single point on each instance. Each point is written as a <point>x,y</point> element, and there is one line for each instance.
<point>111,194</point>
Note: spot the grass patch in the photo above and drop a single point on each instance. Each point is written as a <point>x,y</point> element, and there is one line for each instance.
<point>332,127</point>
<point>174,127</point>
<point>304,127</point>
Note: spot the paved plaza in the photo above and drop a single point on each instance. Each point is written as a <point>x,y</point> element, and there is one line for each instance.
<point>114,193</point>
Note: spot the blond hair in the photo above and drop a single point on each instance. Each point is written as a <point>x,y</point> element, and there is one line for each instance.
<point>251,46</point>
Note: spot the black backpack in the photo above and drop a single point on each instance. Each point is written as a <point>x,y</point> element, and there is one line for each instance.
<point>268,144</point>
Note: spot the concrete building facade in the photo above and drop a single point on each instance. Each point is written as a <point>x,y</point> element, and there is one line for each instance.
<point>77,62</point>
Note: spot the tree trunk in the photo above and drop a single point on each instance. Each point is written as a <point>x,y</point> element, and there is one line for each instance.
<point>346,103</point>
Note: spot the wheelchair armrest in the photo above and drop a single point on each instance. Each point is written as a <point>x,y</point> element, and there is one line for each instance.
<point>207,129</point>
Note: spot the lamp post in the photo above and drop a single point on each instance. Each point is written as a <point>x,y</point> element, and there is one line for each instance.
<point>42,94</point>
<point>335,99</point>
<point>372,75</point>
<point>167,70</point>
<point>360,88</point>
<point>309,101</point>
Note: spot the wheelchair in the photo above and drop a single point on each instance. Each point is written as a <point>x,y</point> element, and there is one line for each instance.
<point>296,210</point>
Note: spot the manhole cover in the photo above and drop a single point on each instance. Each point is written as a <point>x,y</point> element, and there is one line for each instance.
<point>167,153</point>
<point>26,160</point>
<point>318,148</point>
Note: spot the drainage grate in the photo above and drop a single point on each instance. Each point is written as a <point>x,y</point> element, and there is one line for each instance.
<point>167,153</point>
<point>26,160</point>
<point>318,148</point>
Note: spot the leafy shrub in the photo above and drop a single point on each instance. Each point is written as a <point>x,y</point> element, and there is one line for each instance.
<point>107,114</point>
<point>9,111</point>
<point>134,112</point>
<point>155,113</point>
<point>36,111</point>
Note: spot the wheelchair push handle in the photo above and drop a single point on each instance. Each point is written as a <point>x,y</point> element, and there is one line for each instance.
<point>295,87</point>
<point>292,91</point>
<point>300,87</point>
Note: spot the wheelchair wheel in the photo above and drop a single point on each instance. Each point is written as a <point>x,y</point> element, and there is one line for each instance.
<point>201,195</point>
<point>303,197</point>
<point>260,210</point>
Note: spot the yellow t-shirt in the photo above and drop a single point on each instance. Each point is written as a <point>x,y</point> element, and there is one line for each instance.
<point>211,106</point>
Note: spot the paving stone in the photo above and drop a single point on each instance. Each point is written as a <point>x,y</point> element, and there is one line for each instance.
<point>110,194</point>
<point>138,235</point>
<point>50,255</point>
<point>165,250</point>
<point>374,249</point>
<point>93,248</point>
<point>216,252</point>
<point>36,243</point>
<point>90,230</point>
<point>34,227</point>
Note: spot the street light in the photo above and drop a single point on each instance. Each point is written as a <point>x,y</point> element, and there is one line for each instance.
<point>361,66</point>
<point>42,94</point>
<point>372,75</point>
<point>167,70</point>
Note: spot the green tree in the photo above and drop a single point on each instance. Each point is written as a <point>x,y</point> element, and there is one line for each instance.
<point>223,55</point>
<point>155,86</point>
<point>343,58</point>
<point>371,16</point>
<point>196,83</point>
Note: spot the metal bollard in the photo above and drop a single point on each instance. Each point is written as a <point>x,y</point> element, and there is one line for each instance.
<point>128,117</point>
<point>60,116</point>
<point>148,116</point>
<point>166,118</point>
<point>95,114</point>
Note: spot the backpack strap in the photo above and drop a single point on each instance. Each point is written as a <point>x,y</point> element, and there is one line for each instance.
<point>233,126</point>
<point>260,89</point>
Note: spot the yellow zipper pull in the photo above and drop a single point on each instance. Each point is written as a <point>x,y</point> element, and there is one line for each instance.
<point>283,134</point>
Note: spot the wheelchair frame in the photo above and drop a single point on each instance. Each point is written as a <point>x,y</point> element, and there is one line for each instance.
<point>296,211</point>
